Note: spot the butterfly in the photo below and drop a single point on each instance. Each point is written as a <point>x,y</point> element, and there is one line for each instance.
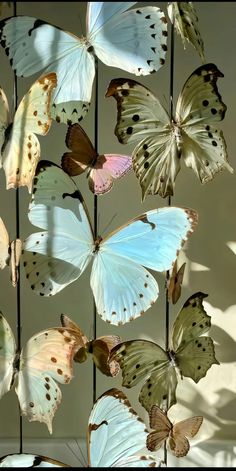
<point>163,142</point>
<point>191,353</point>
<point>10,253</point>
<point>175,434</point>
<point>123,289</point>
<point>27,460</point>
<point>47,358</point>
<point>20,147</point>
<point>102,168</point>
<point>184,17</point>
<point>100,348</point>
<point>175,282</point>
<point>133,40</point>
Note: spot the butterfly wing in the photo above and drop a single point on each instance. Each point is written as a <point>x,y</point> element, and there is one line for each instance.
<point>107,168</point>
<point>46,360</point>
<point>100,349</point>
<point>82,153</point>
<point>4,120</point>
<point>194,354</point>
<point>33,45</point>
<point>160,388</point>
<point>134,40</point>
<point>58,207</point>
<point>26,460</point>
<point>199,108</point>
<point>141,118</point>
<point>7,355</point>
<point>175,282</point>
<point>115,432</point>
<point>22,152</point>
<point>178,442</point>
<point>128,289</point>
<point>162,425</point>
<point>4,245</point>
<point>184,17</point>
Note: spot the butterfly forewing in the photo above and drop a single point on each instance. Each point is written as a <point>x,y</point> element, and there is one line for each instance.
<point>184,17</point>
<point>7,355</point>
<point>160,422</point>
<point>82,153</point>
<point>175,282</point>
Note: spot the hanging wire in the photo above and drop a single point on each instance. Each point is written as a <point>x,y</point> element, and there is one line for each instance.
<point>95,222</point>
<point>18,298</point>
<point>169,201</point>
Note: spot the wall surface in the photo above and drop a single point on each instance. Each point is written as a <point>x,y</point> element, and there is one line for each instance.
<point>211,263</point>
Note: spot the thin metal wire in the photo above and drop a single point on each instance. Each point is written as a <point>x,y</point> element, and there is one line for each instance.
<point>18,298</point>
<point>169,200</point>
<point>95,222</point>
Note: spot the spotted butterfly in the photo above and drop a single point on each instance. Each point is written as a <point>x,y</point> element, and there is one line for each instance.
<point>123,289</point>
<point>132,40</point>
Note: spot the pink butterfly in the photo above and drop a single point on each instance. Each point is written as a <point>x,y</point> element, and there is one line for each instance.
<point>103,169</point>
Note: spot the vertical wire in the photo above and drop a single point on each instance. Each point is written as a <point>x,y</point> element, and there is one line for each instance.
<point>18,298</point>
<point>95,222</point>
<point>169,201</point>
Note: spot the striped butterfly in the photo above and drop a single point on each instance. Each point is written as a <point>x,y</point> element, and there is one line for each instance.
<point>132,40</point>
<point>46,358</point>
<point>191,355</point>
<point>162,142</point>
<point>19,145</point>
<point>123,289</point>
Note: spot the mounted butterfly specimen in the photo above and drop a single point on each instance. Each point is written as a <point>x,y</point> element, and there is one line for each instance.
<point>184,17</point>
<point>103,169</point>
<point>46,359</point>
<point>162,143</point>
<point>10,253</point>
<point>27,460</point>
<point>191,355</point>
<point>99,348</point>
<point>175,434</point>
<point>132,40</point>
<point>20,147</point>
<point>175,281</point>
<point>123,289</point>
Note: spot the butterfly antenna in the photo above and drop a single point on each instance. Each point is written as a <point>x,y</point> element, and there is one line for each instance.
<point>110,222</point>
<point>82,460</point>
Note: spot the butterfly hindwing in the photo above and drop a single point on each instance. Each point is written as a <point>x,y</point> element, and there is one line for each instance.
<point>7,355</point>
<point>178,442</point>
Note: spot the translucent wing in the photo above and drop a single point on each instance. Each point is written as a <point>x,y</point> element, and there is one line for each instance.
<point>4,245</point>
<point>33,45</point>
<point>199,107</point>
<point>117,262</point>
<point>175,282</point>
<point>134,40</point>
<point>184,17</point>
<point>46,360</point>
<point>160,422</point>
<point>49,257</point>
<point>26,460</point>
<point>7,355</point>
<point>144,360</point>
<point>141,118</point>
<point>178,442</point>
<point>21,150</point>
<point>194,354</point>
<point>115,433</point>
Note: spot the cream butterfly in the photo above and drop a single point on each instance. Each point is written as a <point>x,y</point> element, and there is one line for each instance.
<point>47,358</point>
<point>20,147</point>
<point>175,434</point>
<point>192,136</point>
<point>132,40</point>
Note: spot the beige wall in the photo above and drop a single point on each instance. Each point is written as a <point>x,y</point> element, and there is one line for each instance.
<point>211,264</point>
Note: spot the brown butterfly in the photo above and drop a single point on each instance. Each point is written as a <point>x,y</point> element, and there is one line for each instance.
<point>100,348</point>
<point>103,169</point>
<point>175,282</point>
<point>175,434</point>
<point>10,253</point>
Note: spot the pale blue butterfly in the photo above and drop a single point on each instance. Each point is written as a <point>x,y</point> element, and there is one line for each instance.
<point>123,289</point>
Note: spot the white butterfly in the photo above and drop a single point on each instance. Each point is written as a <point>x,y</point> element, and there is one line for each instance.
<point>10,253</point>
<point>19,146</point>
<point>133,40</point>
<point>163,143</point>
<point>47,357</point>
<point>123,289</point>
<point>26,460</point>
<point>184,17</point>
